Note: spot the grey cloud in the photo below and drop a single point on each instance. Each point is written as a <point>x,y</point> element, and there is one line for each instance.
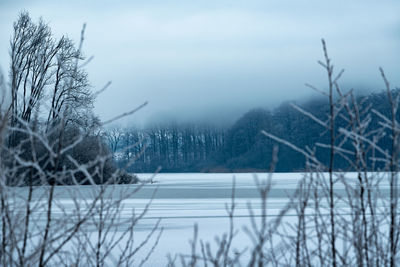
<point>210,59</point>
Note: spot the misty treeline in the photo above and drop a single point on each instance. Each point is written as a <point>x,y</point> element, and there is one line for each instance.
<point>50,119</point>
<point>174,147</point>
<point>184,147</point>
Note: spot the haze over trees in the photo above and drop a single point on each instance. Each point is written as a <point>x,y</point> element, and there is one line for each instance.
<point>184,147</point>
<point>175,147</point>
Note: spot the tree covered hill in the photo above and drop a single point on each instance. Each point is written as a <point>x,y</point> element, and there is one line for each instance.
<point>241,147</point>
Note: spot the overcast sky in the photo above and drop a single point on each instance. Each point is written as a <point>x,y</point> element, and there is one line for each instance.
<point>211,59</point>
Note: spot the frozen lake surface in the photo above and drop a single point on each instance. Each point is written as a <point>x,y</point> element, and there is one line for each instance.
<point>182,200</point>
<point>185,199</point>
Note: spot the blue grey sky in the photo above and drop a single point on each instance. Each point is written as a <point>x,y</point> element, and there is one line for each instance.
<point>213,60</point>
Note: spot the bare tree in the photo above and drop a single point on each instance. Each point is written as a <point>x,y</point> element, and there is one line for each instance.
<point>114,137</point>
<point>44,69</point>
<point>44,158</point>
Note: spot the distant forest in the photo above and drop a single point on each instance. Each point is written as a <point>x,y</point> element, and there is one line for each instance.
<point>242,147</point>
